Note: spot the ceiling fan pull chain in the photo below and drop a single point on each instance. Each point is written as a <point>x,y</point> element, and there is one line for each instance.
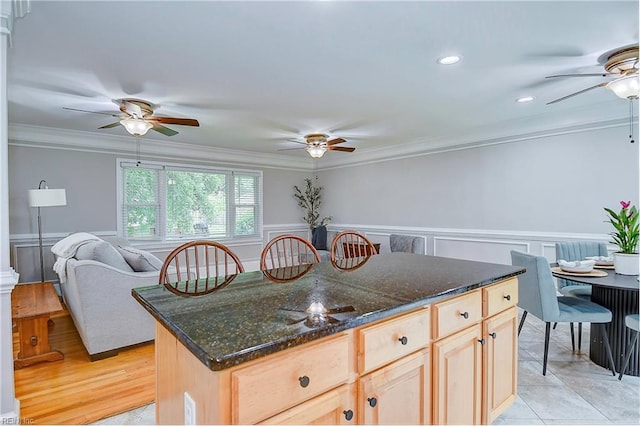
<point>138,151</point>
<point>631,120</point>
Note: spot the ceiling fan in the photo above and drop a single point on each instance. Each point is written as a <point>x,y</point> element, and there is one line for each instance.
<point>317,144</point>
<point>137,117</point>
<point>621,63</point>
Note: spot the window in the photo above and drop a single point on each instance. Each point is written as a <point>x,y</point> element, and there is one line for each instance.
<point>167,201</point>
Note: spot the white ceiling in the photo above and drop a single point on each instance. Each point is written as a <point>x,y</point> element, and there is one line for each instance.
<point>256,74</point>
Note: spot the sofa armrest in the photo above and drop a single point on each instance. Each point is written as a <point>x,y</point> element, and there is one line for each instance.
<point>99,299</point>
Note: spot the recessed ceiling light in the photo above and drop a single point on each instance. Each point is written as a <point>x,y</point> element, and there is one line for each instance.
<point>449,60</point>
<point>524,99</point>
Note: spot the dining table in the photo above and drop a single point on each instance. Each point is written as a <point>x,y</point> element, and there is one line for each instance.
<point>618,293</point>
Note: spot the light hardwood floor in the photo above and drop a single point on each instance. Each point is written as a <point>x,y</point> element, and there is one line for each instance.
<point>77,391</point>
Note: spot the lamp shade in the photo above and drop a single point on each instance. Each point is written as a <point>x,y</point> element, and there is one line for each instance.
<point>625,87</point>
<point>136,126</point>
<point>47,197</point>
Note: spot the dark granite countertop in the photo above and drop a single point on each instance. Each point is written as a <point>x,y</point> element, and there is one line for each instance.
<point>259,313</point>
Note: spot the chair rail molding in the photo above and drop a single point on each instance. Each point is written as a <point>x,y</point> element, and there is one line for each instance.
<point>484,245</point>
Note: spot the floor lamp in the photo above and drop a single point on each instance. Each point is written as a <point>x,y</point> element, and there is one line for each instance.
<point>45,197</point>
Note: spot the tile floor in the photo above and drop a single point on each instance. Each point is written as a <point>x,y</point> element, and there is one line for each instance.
<point>574,391</point>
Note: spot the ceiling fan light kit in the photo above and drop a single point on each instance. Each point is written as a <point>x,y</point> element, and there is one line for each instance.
<point>316,151</point>
<point>137,118</point>
<point>625,87</point>
<point>621,63</point>
<point>136,126</point>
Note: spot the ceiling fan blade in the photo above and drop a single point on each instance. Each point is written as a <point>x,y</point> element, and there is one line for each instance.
<point>174,120</point>
<point>108,126</point>
<point>289,149</point>
<point>296,141</point>
<point>602,74</point>
<point>92,112</point>
<point>341,148</point>
<point>164,130</point>
<point>335,141</point>
<point>577,93</point>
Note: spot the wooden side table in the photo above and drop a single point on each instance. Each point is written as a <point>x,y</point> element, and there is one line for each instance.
<point>31,308</point>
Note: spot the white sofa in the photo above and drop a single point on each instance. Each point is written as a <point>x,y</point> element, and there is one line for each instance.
<point>98,297</point>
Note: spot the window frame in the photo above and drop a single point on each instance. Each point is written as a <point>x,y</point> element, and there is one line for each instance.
<point>161,221</point>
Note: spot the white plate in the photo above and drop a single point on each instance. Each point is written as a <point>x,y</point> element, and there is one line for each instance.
<point>578,266</point>
<point>602,260</point>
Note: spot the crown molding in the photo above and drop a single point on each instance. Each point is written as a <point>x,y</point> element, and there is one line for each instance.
<point>46,137</point>
<point>397,152</point>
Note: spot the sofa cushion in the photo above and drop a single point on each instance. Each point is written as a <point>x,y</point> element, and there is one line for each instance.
<point>140,260</point>
<point>102,251</point>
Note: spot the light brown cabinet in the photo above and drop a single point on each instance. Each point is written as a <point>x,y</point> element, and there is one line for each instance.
<point>336,407</point>
<point>398,393</point>
<point>457,378</point>
<point>426,365</point>
<point>288,380</point>
<point>500,363</point>
<point>475,369</point>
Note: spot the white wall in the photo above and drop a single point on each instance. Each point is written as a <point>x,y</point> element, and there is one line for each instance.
<point>89,180</point>
<point>474,203</point>
<point>556,184</point>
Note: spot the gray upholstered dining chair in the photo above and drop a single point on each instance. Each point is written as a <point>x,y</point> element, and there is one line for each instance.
<point>632,321</point>
<point>577,250</point>
<point>537,295</point>
<point>406,243</point>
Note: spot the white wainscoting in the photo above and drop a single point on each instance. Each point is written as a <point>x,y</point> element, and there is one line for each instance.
<point>483,250</point>
<point>474,244</point>
<point>468,244</point>
<point>25,257</point>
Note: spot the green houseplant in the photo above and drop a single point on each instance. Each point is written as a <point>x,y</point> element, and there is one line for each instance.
<point>625,236</point>
<point>310,199</point>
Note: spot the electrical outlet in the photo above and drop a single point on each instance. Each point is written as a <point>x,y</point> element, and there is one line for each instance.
<point>189,410</point>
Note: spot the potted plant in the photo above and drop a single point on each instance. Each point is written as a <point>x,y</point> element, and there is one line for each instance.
<point>627,231</point>
<point>310,199</point>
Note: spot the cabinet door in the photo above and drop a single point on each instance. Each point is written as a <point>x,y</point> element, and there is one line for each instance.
<point>500,363</point>
<point>457,378</point>
<point>398,393</point>
<point>335,407</point>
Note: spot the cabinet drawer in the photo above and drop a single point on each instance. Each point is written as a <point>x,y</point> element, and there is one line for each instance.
<point>262,390</point>
<point>383,343</point>
<point>335,407</point>
<point>456,313</point>
<point>498,297</point>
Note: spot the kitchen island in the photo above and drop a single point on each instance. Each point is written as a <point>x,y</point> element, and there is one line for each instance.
<point>392,338</point>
